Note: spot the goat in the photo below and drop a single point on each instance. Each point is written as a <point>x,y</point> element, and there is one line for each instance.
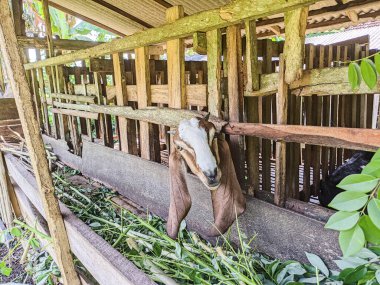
<point>328,189</point>
<point>208,157</point>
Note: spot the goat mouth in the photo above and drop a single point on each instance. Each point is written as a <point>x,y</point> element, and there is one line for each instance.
<point>213,186</point>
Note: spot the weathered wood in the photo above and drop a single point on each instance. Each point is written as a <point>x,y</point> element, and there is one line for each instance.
<point>235,97</point>
<point>214,51</point>
<point>76,113</point>
<point>282,119</point>
<point>77,98</point>
<point>200,22</point>
<point>17,77</point>
<point>127,129</point>
<point>5,200</point>
<point>59,44</point>
<point>200,42</point>
<point>149,141</point>
<point>176,63</point>
<point>294,49</point>
<point>8,109</point>
<point>253,144</point>
<point>41,85</point>
<point>99,258</point>
<point>325,81</point>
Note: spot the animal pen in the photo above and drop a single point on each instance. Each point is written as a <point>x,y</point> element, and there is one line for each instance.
<point>286,109</point>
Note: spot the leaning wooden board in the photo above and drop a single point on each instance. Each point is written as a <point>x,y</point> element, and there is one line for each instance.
<point>100,259</point>
<point>280,233</point>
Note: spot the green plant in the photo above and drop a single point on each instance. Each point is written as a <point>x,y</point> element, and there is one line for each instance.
<point>358,216</point>
<point>368,71</point>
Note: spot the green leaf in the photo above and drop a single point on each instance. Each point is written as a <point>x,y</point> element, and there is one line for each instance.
<point>342,221</point>
<point>157,249</point>
<point>377,274</point>
<point>377,62</point>
<point>354,75</point>
<point>358,183</point>
<point>376,156</point>
<point>34,243</point>
<point>351,241</point>
<point>369,74</point>
<point>349,201</point>
<point>16,232</point>
<point>5,270</point>
<point>372,168</point>
<point>317,262</point>
<point>357,274</point>
<point>374,211</point>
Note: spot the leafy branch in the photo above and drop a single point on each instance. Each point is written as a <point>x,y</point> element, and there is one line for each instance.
<point>368,71</point>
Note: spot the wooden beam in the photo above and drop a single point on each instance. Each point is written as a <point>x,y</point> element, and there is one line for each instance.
<point>253,83</point>
<point>275,29</point>
<point>77,98</point>
<point>361,139</point>
<point>282,119</point>
<point>59,44</point>
<point>201,22</point>
<point>294,49</point>
<point>76,113</point>
<point>214,65</point>
<point>353,16</point>
<point>149,135</point>
<point>36,147</point>
<point>5,200</point>
<point>323,81</point>
<point>200,42</point>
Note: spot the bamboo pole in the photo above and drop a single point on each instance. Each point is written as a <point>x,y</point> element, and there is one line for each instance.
<point>24,101</point>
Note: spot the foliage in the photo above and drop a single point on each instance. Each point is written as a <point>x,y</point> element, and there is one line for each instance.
<point>358,216</point>
<point>192,260</point>
<point>368,70</point>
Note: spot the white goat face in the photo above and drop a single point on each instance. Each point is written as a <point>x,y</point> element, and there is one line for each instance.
<point>198,146</point>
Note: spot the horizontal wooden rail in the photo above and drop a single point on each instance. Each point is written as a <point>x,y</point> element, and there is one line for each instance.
<point>77,98</point>
<point>59,44</point>
<point>230,14</point>
<point>196,94</point>
<point>324,81</point>
<point>76,113</point>
<point>352,138</point>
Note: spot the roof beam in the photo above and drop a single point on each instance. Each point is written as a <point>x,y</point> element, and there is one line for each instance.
<point>353,16</point>
<point>230,14</point>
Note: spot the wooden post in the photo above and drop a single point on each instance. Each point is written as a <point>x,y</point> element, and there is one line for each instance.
<point>214,50</point>
<point>176,65</point>
<point>282,115</point>
<point>36,147</point>
<point>127,128</point>
<point>149,142</point>
<point>41,85</point>
<point>235,97</point>
<point>252,84</point>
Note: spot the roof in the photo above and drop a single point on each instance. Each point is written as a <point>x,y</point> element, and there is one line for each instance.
<point>372,30</point>
<point>129,16</point>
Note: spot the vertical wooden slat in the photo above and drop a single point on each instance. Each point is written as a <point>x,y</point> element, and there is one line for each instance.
<point>149,142</point>
<point>235,97</point>
<point>266,119</point>
<point>37,98</point>
<point>214,50</point>
<point>5,200</point>
<point>252,84</point>
<point>36,147</point>
<point>282,115</point>
<point>127,128</point>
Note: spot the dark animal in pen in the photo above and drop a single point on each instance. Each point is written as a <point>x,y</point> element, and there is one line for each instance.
<point>354,165</point>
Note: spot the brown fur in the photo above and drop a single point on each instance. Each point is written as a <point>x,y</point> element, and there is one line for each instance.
<point>228,200</point>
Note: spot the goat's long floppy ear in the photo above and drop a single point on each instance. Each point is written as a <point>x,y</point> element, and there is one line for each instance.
<point>228,200</point>
<point>180,200</point>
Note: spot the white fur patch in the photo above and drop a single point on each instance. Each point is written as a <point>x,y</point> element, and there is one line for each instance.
<point>196,138</point>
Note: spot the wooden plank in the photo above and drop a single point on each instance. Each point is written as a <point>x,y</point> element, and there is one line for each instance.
<point>200,42</point>
<point>77,98</point>
<point>36,98</point>
<point>76,113</point>
<point>59,44</point>
<point>282,116</point>
<point>214,51</point>
<point>252,143</point>
<point>235,97</point>
<point>149,140</point>
<point>99,258</point>
<point>127,129</point>
<point>230,14</point>
<point>325,81</point>
<point>17,77</point>
<point>176,63</point>
<point>5,200</point>
<point>8,109</point>
<point>41,85</point>
<point>294,50</point>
